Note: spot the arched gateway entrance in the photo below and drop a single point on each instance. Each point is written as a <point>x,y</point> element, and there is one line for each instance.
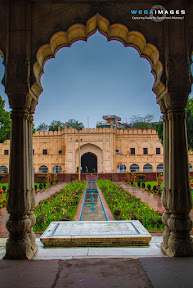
<point>30,23</point>
<point>89,163</point>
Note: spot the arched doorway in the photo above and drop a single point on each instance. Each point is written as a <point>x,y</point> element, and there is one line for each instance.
<point>89,163</point>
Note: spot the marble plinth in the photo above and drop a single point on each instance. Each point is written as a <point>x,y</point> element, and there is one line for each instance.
<point>95,234</point>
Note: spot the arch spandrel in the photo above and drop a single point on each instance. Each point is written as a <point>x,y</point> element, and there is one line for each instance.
<point>117,32</point>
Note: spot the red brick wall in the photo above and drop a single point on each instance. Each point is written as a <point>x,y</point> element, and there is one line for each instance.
<point>5,179</point>
<point>150,176</point>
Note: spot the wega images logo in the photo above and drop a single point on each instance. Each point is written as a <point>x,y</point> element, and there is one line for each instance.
<point>158,13</point>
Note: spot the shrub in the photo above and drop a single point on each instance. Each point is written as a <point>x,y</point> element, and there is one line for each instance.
<point>131,182</point>
<point>44,185</point>
<point>51,183</point>
<point>149,187</point>
<point>40,186</point>
<point>1,177</point>
<point>154,188</point>
<point>139,184</point>
<point>36,187</point>
<point>118,214</point>
<point>143,185</point>
<point>42,178</point>
<point>4,188</point>
<point>141,177</point>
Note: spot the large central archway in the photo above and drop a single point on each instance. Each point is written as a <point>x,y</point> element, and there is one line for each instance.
<point>89,163</point>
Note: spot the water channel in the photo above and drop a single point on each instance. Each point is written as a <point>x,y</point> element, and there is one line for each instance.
<point>92,208</point>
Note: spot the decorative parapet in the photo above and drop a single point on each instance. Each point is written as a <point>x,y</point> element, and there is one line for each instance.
<point>97,130</point>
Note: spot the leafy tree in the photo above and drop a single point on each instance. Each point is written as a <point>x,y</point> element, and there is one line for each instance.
<point>72,123</point>
<point>55,125</point>
<point>159,129</point>
<point>189,122</point>
<point>42,127</point>
<point>33,128</point>
<point>5,122</point>
<point>139,122</point>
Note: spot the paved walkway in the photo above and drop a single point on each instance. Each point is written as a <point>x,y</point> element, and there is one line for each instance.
<point>153,200</point>
<point>38,197</point>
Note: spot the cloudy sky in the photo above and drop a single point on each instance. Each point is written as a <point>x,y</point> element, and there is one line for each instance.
<point>94,78</point>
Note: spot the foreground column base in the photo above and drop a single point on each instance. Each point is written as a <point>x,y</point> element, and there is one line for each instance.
<point>178,247</point>
<point>20,249</point>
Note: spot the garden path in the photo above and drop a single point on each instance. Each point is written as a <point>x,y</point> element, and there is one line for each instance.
<point>38,197</point>
<point>153,200</point>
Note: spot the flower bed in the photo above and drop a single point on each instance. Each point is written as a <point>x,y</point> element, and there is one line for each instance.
<point>60,206</point>
<point>125,206</point>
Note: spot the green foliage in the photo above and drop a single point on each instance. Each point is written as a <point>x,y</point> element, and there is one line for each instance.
<point>149,187</point>
<point>1,177</point>
<point>189,122</point>
<point>42,127</point>
<point>141,177</point>
<point>142,123</point>
<point>72,123</point>
<point>125,206</point>
<point>159,129</point>
<point>42,178</point>
<point>56,125</point>
<point>5,122</point>
<point>60,206</point>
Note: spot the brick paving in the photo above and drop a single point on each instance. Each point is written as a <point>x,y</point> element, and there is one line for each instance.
<point>38,197</point>
<point>153,200</point>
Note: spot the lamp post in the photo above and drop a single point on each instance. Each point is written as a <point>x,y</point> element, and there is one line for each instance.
<point>79,152</point>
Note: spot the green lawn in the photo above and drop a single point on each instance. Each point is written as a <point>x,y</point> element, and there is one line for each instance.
<point>4,184</point>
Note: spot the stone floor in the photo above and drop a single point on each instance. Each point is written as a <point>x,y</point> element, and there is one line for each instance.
<point>123,267</point>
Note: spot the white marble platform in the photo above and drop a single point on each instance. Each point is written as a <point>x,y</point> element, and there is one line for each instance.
<point>95,234</point>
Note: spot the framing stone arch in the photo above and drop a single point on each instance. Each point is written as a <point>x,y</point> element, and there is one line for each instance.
<point>90,148</point>
<point>172,87</point>
<point>89,163</point>
<point>117,32</point>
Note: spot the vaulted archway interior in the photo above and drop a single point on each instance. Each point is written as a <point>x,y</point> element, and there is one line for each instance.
<point>91,156</point>
<point>89,163</point>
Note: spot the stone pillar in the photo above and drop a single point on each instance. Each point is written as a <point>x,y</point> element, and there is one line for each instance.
<point>179,200</point>
<point>31,183</point>
<point>21,241</point>
<point>165,190</point>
